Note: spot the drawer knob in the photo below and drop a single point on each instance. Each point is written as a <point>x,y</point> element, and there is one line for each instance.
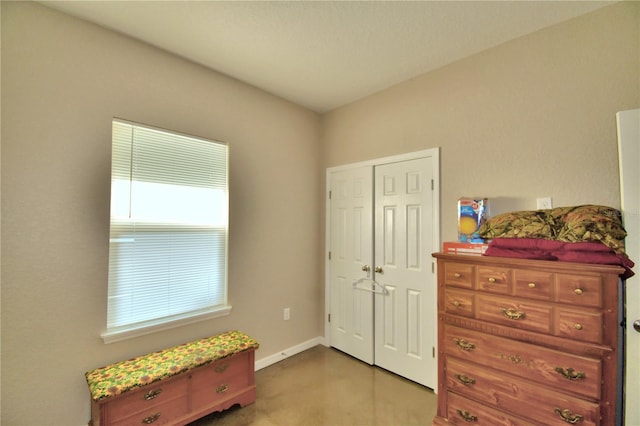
<point>512,314</point>
<point>152,394</point>
<point>222,388</point>
<point>578,326</point>
<point>221,368</point>
<point>532,285</point>
<point>492,280</point>
<point>465,380</point>
<point>578,291</point>
<point>570,373</point>
<point>568,416</point>
<point>516,359</point>
<point>467,416</point>
<point>151,419</point>
<point>456,303</point>
<point>457,275</point>
<point>464,345</point>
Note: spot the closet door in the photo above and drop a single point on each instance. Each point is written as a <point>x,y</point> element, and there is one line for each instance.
<point>351,256</point>
<point>628,123</point>
<point>405,333</point>
<point>398,301</point>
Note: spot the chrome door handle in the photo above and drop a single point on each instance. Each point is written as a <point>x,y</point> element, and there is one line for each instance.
<point>378,269</point>
<point>636,325</point>
<point>366,268</point>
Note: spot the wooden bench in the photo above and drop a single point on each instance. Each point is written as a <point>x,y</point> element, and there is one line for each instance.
<point>177,385</point>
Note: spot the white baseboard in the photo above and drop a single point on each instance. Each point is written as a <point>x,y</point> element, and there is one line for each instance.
<point>286,353</point>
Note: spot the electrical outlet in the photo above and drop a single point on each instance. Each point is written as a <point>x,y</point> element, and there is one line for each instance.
<point>286,314</point>
<point>544,203</point>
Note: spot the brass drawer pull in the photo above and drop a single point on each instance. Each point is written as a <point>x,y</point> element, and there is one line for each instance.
<point>578,291</point>
<point>568,416</point>
<point>465,380</point>
<point>512,314</point>
<point>464,345</point>
<point>152,394</point>
<point>578,326</point>
<point>456,303</point>
<point>492,280</point>
<point>222,388</point>
<point>457,275</point>
<point>151,419</point>
<point>532,285</point>
<point>570,373</point>
<point>515,359</point>
<point>221,368</point>
<point>467,416</point>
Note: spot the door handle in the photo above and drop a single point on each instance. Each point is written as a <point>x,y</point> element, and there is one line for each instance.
<point>636,325</point>
<point>366,268</point>
<point>378,270</point>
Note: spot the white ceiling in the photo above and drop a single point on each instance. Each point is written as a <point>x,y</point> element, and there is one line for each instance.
<point>325,54</point>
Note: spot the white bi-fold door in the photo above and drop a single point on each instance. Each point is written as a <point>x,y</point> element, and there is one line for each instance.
<point>351,255</point>
<point>382,227</point>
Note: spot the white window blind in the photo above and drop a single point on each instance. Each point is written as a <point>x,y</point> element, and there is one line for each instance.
<point>168,233</point>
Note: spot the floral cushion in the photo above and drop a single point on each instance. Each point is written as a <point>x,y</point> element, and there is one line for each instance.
<point>519,224</point>
<point>587,223</point>
<point>124,376</point>
<point>593,223</point>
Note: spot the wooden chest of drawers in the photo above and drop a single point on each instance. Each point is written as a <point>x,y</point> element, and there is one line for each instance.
<point>527,342</point>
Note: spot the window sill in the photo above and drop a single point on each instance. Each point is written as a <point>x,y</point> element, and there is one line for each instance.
<point>128,332</point>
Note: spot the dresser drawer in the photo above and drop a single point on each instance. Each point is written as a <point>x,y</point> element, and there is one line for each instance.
<point>211,392</point>
<point>580,290</point>
<point>515,313</point>
<point>228,366</point>
<point>463,411</point>
<point>147,399</point>
<point>579,325</point>
<point>519,396</point>
<point>571,373</point>
<point>459,302</point>
<point>533,284</point>
<point>164,413</point>
<point>459,275</point>
<point>210,385</point>
<point>494,279</point>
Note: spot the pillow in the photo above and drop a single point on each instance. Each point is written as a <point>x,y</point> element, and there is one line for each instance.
<point>592,223</point>
<point>568,224</point>
<point>519,224</point>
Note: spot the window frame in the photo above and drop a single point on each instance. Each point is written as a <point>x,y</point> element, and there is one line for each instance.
<point>114,333</point>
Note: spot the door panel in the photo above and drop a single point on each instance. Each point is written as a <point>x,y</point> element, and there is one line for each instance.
<point>390,302</point>
<point>405,332</point>
<point>389,238</point>
<point>351,233</point>
<point>414,215</point>
<point>628,123</point>
<point>414,323</point>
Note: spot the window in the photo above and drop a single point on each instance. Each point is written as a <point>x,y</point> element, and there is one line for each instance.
<point>168,233</point>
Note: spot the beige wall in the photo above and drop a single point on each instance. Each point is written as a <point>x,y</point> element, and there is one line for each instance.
<point>62,82</point>
<point>531,118</point>
<point>534,117</point>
